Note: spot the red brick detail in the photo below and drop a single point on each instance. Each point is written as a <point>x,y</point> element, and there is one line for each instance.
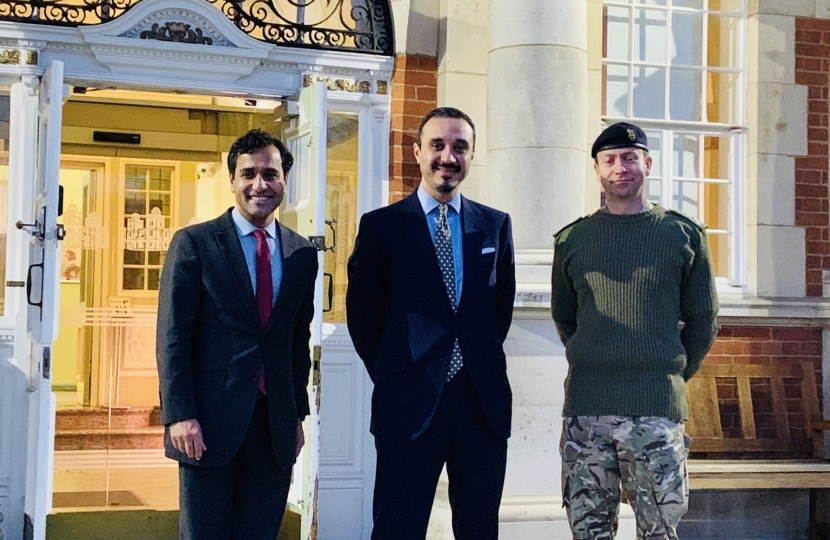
<point>765,345</point>
<point>414,94</point>
<point>812,211</point>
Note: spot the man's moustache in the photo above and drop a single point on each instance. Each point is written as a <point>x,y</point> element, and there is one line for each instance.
<point>451,166</point>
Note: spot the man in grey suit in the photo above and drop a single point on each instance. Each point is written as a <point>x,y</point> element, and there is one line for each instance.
<point>235,305</point>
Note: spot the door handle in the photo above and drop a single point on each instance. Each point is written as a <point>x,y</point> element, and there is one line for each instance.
<point>29,285</point>
<point>330,291</point>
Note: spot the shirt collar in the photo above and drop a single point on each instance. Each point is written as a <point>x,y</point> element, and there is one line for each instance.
<point>428,203</point>
<point>246,227</point>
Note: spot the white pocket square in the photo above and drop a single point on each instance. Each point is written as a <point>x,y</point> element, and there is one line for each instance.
<point>487,250</point>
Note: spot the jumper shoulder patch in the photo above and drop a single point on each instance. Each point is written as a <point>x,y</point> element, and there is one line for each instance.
<point>568,226</point>
<point>687,219</point>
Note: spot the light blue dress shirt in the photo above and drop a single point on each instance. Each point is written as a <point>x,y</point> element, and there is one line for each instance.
<point>430,207</point>
<point>245,230</point>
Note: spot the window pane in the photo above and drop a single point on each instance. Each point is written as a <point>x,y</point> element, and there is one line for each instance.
<point>685,155</point>
<point>650,36</point>
<point>616,33</point>
<point>719,246</point>
<point>722,98</point>
<point>685,95</point>
<point>729,6</point>
<point>616,90</point>
<point>649,92</point>
<point>686,197</point>
<point>134,203</point>
<point>722,45</point>
<point>133,257</point>
<point>655,150</point>
<point>716,206</point>
<point>716,157</point>
<point>687,32</point>
<point>653,190</point>
<point>154,257</point>
<point>160,201</point>
<point>153,277</point>
<point>652,2</point>
<point>694,4</point>
<point>133,279</point>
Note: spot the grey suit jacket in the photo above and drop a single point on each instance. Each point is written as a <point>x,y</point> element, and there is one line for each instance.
<point>210,343</point>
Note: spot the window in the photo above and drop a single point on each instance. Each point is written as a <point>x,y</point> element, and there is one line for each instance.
<point>676,68</point>
<point>147,228</point>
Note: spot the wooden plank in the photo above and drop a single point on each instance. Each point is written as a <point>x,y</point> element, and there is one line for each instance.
<point>704,413</point>
<point>779,409</point>
<point>760,481</point>
<point>745,408</point>
<point>762,474</point>
<point>809,399</point>
<point>787,371</point>
<point>708,466</point>
<point>712,444</point>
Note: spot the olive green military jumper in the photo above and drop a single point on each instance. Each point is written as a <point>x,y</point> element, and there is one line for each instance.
<point>621,286</point>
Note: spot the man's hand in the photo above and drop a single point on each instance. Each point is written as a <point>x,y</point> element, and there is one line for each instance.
<point>187,437</point>
<point>300,437</point>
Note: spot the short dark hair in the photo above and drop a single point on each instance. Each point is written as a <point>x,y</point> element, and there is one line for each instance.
<point>446,112</point>
<point>254,140</point>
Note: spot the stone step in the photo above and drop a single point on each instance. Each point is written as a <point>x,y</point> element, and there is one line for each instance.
<point>112,439</point>
<point>101,418</point>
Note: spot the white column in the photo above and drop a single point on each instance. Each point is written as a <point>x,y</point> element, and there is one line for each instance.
<point>537,123</point>
<point>537,126</point>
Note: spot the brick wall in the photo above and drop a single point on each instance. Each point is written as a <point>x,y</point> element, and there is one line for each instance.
<point>414,94</point>
<point>812,211</point>
<point>757,345</point>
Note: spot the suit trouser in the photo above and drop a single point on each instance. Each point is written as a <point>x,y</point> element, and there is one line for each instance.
<point>242,500</point>
<point>461,436</point>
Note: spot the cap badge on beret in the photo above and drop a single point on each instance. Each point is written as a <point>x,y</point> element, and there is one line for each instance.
<point>631,135</point>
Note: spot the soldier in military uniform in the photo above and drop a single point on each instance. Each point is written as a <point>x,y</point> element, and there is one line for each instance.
<point>634,302</point>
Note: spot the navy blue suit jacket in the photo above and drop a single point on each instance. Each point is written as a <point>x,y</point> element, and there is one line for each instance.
<point>210,342</point>
<point>401,320</point>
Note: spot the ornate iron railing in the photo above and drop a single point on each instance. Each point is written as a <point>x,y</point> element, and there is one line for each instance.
<point>345,25</point>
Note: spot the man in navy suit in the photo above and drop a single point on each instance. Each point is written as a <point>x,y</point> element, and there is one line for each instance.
<point>235,305</point>
<point>429,304</point>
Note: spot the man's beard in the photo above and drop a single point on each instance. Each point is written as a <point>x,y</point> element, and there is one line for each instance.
<point>447,185</point>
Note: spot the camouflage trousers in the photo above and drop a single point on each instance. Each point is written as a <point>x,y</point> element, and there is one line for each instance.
<point>646,454</point>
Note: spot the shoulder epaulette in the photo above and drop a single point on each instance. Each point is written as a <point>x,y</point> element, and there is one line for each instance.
<point>568,226</point>
<point>686,218</point>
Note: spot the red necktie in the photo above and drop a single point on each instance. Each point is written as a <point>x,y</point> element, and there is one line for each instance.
<point>264,290</point>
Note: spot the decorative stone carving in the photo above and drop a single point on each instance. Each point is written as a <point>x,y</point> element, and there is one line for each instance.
<point>177,32</point>
<point>178,25</point>
<point>8,56</point>
<point>341,85</point>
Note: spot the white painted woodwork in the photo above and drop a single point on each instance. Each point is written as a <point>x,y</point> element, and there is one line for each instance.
<point>112,55</point>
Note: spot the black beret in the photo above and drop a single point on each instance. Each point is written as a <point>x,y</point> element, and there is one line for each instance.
<point>620,135</point>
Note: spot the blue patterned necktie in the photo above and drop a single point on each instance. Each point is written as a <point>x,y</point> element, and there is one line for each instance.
<point>443,248</point>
